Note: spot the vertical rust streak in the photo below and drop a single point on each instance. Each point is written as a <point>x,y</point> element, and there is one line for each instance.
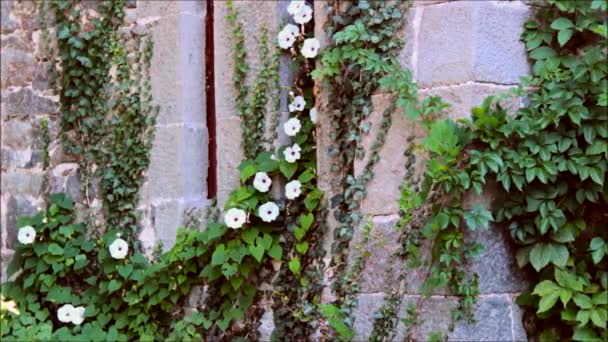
<point>210,96</point>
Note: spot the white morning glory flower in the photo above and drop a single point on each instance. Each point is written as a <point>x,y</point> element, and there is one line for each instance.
<point>310,48</point>
<point>65,313</point>
<point>293,189</point>
<point>235,218</point>
<point>292,127</point>
<point>292,153</point>
<point>295,6</point>
<point>119,249</point>
<point>304,15</point>
<point>292,29</point>
<point>297,104</point>
<point>262,182</point>
<point>78,315</point>
<point>26,235</point>
<point>268,211</point>
<point>286,39</point>
<point>313,115</point>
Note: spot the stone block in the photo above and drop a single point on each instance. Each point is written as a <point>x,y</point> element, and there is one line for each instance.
<point>166,218</point>
<point>383,191</point>
<point>7,22</point>
<point>178,162</point>
<point>22,183</point>
<point>383,241</point>
<point>492,314</point>
<point>5,258</point>
<point>16,206</point>
<point>363,314</point>
<point>464,41</point>
<point>254,15</point>
<point>13,159</point>
<point>26,101</point>
<point>463,97</point>
<point>19,134</point>
<point>16,67</point>
<point>229,156</point>
<point>65,178</point>
<point>155,8</point>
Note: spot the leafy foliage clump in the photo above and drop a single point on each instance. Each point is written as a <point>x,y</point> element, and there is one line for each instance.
<point>549,159</point>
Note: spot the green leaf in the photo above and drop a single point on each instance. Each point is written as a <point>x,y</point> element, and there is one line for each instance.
<point>585,334</point>
<point>250,235</point>
<point>559,255</point>
<point>583,301</point>
<point>598,317</point>
<point>288,169</point>
<point>219,256</point>
<point>561,23</point>
<point>542,52</point>
<point>248,168</point>
<point>125,270</point>
<point>545,287</point>
<point>302,247</point>
<point>276,252</point>
<point>547,302</point>
<point>294,265</point>
<point>114,285</point>
<point>306,221</point>
<point>257,251</point>
<point>563,36</point>
<point>583,317</point>
<point>540,255</point>
<point>55,249</point>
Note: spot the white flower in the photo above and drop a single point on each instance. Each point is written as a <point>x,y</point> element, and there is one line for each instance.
<point>268,211</point>
<point>78,315</point>
<point>262,182</point>
<point>295,6</point>
<point>119,249</point>
<point>235,218</point>
<point>293,189</point>
<point>304,15</point>
<point>286,39</point>
<point>26,235</point>
<point>65,313</point>
<point>297,104</point>
<point>292,153</point>
<point>292,127</point>
<point>313,115</point>
<point>310,48</point>
<point>292,29</point>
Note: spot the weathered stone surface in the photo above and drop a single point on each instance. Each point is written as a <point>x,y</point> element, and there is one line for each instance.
<point>65,178</point>
<point>363,314</point>
<point>166,218</point>
<point>493,322</point>
<point>257,14</point>
<point>463,97</point>
<point>16,206</point>
<point>19,134</point>
<point>155,8</point>
<point>493,314</point>
<point>472,40</point>
<point>13,159</point>
<point>229,156</point>
<point>383,241</point>
<point>266,326</point>
<point>16,67</point>
<point>26,101</point>
<point>519,331</point>
<point>5,258</point>
<point>178,69</point>
<point>7,23</point>
<point>22,183</point>
<point>383,190</point>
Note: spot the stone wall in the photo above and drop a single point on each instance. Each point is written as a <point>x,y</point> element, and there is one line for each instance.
<point>462,51</point>
<point>459,50</point>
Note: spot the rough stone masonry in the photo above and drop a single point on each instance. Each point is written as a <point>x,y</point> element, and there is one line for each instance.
<point>459,50</point>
